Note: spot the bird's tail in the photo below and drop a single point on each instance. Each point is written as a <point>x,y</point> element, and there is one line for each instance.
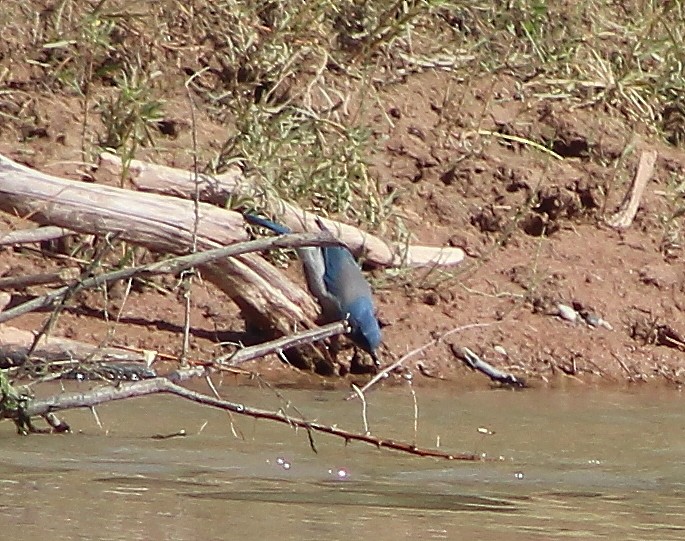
<point>264,222</point>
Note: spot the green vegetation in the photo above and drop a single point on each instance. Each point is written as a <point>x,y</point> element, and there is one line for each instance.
<point>12,403</point>
<point>297,83</point>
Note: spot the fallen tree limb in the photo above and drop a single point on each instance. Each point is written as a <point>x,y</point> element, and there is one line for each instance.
<point>149,177</point>
<point>631,202</point>
<point>163,224</point>
<point>38,234</point>
<point>15,344</point>
<point>88,399</point>
<point>280,344</point>
<point>171,266</point>
<point>61,276</point>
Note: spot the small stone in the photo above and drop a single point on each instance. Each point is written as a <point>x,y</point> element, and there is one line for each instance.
<point>567,313</point>
<point>592,320</point>
<point>595,321</point>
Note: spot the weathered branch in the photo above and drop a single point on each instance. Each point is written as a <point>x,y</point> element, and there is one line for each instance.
<point>38,234</point>
<point>149,177</point>
<point>631,202</point>
<point>61,276</point>
<point>280,344</point>
<point>171,266</point>
<point>16,343</point>
<point>100,395</point>
<point>163,224</point>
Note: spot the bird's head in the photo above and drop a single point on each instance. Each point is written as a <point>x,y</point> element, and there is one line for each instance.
<point>365,332</point>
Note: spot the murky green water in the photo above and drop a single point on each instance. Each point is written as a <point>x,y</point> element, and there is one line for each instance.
<point>584,465</point>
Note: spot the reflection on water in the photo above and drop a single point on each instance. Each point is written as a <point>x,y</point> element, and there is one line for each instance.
<point>571,466</point>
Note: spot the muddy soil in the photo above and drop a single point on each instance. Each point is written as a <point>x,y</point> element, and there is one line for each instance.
<point>531,221</point>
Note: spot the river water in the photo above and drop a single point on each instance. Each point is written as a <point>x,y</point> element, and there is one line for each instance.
<point>580,465</point>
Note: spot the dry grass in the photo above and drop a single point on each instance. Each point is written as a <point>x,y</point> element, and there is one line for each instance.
<point>296,85</point>
<point>293,81</point>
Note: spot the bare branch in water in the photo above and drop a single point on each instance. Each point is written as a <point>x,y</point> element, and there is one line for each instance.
<point>276,346</point>
<point>170,384</point>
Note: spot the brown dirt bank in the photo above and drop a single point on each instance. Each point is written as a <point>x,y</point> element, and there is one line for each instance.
<point>521,179</point>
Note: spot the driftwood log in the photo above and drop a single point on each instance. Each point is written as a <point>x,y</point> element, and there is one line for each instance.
<point>219,189</point>
<point>162,224</point>
<point>16,343</point>
<point>174,225</point>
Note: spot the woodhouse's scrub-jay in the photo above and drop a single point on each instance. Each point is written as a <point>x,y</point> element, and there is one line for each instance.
<point>335,279</point>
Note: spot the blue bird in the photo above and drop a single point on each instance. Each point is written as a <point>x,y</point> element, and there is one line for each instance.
<point>337,282</point>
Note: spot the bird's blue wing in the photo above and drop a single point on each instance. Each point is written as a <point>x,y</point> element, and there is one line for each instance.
<point>346,283</point>
<point>337,282</point>
<point>314,267</point>
<point>343,277</point>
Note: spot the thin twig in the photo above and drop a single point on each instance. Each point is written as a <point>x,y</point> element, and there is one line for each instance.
<point>215,392</point>
<point>631,378</point>
<point>187,276</point>
<point>410,381</point>
<point>414,352</point>
<point>96,417</point>
<point>365,418</point>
